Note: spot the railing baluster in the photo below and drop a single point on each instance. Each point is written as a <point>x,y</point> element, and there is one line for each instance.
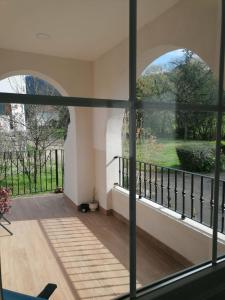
<point>29,171</point>
<point>127,173</point>
<point>175,190</point>
<point>183,196</point>
<point>201,199</point>
<point>211,202</point>
<point>192,196</point>
<point>24,181</point>
<point>51,167</point>
<point>40,171</point>
<point>123,175</point>
<point>168,189</point>
<point>5,164</point>
<point>150,181</point>
<point>56,168</point>
<point>17,173</point>
<point>139,176</point>
<point>156,184</point>
<point>11,169</point>
<point>62,166</point>
<point>145,180</point>
<point>222,207</point>
<point>35,171</point>
<point>162,186</point>
<point>46,173</point>
<point>120,171</point>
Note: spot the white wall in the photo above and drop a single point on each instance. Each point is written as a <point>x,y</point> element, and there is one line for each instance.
<point>192,242</point>
<point>107,77</point>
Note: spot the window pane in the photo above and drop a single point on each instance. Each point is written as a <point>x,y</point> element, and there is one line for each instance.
<point>221,224</point>
<point>175,181</point>
<point>59,161</point>
<point>177,64</point>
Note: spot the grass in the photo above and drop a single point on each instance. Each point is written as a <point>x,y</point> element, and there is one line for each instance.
<point>20,184</point>
<point>161,152</point>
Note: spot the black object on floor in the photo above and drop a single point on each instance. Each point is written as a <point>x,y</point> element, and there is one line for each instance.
<point>84,207</point>
<point>47,291</point>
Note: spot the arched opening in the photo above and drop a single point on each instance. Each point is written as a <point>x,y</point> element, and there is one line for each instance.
<point>176,135</point>
<point>36,133</point>
<point>176,77</point>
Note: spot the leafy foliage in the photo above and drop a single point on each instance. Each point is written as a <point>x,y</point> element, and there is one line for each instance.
<point>188,81</point>
<point>196,158</point>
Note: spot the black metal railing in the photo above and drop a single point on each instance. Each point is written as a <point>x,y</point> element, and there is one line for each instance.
<point>189,194</point>
<point>28,172</point>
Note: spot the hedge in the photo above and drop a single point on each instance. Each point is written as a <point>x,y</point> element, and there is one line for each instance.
<point>198,158</point>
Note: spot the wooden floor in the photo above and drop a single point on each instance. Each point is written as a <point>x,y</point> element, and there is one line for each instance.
<point>86,255</point>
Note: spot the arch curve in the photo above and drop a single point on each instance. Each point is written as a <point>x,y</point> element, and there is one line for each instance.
<point>152,54</point>
<point>37,74</point>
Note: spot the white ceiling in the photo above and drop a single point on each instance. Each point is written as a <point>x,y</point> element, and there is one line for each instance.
<point>82,29</point>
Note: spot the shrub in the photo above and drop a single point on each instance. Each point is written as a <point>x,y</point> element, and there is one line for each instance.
<point>198,158</point>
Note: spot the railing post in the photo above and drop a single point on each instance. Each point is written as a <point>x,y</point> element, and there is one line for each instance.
<point>150,181</point>
<point>183,196</point>
<point>145,180</point>
<point>127,174</point>
<point>175,190</point>
<point>123,174</point>
<point>192,196</point>
<point>62,167</point>
<point>4,157</point>
<point>140,177</point>
<point>222,207</point>
<point>162,185</point>
<point>168,189</point>
<point>211,203</point>
<point>119,171</point>
<point>56,168</point>
<point>201,200</point>
<point>156,184</point>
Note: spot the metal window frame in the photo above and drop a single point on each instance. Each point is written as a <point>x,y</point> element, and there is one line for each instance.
<point>132,104</point>
<point>218,134</point>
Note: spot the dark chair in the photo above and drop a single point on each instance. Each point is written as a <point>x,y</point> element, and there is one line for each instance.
<point>45,294</point>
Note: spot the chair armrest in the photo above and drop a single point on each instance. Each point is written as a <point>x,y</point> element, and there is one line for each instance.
<point>47,291</point>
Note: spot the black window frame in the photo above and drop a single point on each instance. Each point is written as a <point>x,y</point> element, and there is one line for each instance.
<point>132,105</point>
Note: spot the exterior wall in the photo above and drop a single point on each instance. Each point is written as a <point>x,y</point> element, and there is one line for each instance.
<point>71,78</point>
<point>167,227</point>
<point>172,30</point>
<point>108,77</point>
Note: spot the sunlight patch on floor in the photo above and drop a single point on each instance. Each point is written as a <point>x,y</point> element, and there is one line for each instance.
<point>94,271</point>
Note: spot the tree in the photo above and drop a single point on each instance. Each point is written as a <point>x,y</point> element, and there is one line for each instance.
<point>193,83</point>
<point>186,80</point>
<point>43,125</point>
<point>34,128</point>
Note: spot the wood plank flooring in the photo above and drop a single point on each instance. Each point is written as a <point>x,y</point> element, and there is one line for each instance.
<point>86,255</point>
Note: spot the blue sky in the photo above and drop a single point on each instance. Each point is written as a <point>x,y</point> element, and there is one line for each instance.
<point>168,57</point>
<point>165,60</point>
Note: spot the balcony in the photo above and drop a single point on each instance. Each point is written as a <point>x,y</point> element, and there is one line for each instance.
<point>86,255</point>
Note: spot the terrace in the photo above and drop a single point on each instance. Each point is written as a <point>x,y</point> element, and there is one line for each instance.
<point>86,255</point>
<point>89,53</point>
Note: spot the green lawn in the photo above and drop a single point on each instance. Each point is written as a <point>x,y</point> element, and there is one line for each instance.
<point>162,152</point>
<point>20,184</point>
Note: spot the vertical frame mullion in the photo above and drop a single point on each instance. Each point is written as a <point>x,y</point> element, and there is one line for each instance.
<point>218,135</point>
<point>132,142</point>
